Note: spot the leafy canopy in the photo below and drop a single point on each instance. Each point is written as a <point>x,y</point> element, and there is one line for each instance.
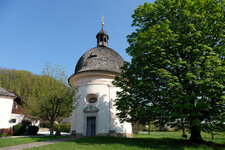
<point>54,98</point>
<point>177,71</point>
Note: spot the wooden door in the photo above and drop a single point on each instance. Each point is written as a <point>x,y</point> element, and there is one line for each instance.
<point>91,126</point>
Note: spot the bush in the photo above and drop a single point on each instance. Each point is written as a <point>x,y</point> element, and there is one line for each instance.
<point>57,127</point>
<point>46,125</point>
<point>19,129</point>
<point>62,127</point>
<point>6,131</point>
<point>33,130</point>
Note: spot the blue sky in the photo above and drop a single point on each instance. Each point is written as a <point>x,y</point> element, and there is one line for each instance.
<point>36,32</point>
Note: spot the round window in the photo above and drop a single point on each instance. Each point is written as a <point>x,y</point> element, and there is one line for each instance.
<point>91,98</point>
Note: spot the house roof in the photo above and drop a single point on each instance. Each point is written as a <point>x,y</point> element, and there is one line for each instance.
<point>6,93</point>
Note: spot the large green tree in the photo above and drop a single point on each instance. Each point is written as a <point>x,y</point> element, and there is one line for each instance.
<point>177,71</point>
<point>54,98</point>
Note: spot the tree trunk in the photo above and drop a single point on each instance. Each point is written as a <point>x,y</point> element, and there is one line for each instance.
<point>52,129</point>
<point>183,129</point>
<point>211,129</point>
<point>149,129</point>
<point>212,135</point>
<point>196,135</point>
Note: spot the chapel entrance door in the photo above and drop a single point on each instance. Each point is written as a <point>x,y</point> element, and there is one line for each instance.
<point>91,126</point>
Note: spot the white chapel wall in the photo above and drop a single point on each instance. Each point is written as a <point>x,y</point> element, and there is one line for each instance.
<point>106,120</point>
<point>124,127</point>
<point>102,91</point>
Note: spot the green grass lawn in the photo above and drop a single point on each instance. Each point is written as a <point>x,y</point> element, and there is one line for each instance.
<point>220,138</point>
<point>25,140</point>
<point>157,140</point>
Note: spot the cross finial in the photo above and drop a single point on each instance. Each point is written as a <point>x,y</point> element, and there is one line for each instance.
<point>102,21</point>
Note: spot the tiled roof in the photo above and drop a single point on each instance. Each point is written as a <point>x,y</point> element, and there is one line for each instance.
<point>5,92</point>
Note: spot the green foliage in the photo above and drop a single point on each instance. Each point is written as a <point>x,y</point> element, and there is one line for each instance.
<point>46,125</point>
<point>62,127</point>
<point>54,98</point>
<point>177,72</point>
<point>45,97</point>
<point>19,129</point>
<point>18,81</point>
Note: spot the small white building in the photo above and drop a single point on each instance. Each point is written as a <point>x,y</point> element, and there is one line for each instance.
<point>10,109</point>
<point>94,73</point>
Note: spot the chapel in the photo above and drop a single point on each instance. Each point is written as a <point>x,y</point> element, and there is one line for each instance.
<point>95,113</point>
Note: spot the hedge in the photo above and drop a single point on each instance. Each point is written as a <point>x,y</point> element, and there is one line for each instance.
<point>19,129</point>
<point>62,127</point>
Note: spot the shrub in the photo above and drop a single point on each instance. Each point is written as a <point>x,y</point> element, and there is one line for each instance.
<point>6,131</point>
<point>46,125</point>
<point>65,127</point>
<point>62,127</point>
<point>33,130</point>
<point>57,127</point>
<point>19,129</point>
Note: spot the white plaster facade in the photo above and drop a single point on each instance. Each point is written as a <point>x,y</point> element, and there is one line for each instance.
<point>18,117</point>
<point>6,115</point>
<point>99,84</point>
<point>5,111</point>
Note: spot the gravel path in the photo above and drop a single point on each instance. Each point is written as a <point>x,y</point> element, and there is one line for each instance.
<point>36,144</point>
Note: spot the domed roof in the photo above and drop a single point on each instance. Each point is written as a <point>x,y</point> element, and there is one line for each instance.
<point>100,58</point>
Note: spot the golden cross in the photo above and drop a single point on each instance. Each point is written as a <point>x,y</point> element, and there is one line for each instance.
<point>102,21</point>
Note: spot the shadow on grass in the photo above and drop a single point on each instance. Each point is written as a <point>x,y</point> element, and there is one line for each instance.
<point>153,143</point>
<point>46,138</point>
<point>4,142</point>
